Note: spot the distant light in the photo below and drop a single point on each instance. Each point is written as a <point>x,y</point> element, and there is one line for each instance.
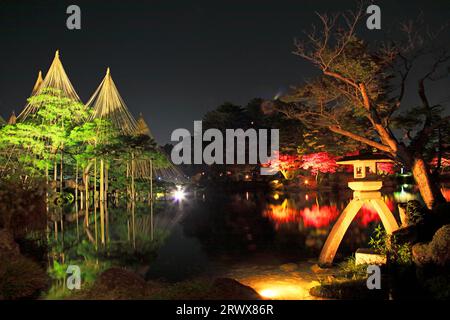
<point>276,196</point>
<point>306,181</point>
<point>247,176</point>
<point>306,197</point>
<point>179,194</point>
<point>159,195</point>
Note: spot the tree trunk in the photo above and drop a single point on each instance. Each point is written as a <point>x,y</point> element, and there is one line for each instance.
<point>95,183</point>
<point>429,190</point>
<point>61,174</point>
<point>106,181</point>
<point>133,168</point>
<point>102,199</point>
<point>86,192</point>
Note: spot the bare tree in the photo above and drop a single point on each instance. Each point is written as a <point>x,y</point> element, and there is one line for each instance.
<point>361,87</point>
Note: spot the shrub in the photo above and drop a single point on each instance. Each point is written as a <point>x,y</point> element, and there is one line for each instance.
<point>415,212</point>
<point>22,207</point>
<point>20,277</point>
<point>397,253</point>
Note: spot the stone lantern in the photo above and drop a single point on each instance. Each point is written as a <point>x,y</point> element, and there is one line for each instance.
<point>366,190</point>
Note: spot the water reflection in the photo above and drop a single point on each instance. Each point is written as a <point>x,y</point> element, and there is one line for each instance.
<point>172,241</point>
<point>99,236</point>
<point>316,215</point>
<point>405,194</point>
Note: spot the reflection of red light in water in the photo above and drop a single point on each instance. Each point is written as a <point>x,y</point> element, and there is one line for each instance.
<point>319,216</point>
<point>315,216</point>
<point>367,214</point>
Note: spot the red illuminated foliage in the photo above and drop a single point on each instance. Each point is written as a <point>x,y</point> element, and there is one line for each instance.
<point>385,167</point>
<point>323,162</point>
<point>287,164</point>
<point>445,163</point>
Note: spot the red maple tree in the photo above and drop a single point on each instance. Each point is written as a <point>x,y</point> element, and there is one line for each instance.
<point>386,167</point>
<point>286,164</point>
<point>323,162</point>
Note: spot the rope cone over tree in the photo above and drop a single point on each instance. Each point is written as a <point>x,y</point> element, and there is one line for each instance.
<point>56,134</point>
<point>169,173</point>
<point>56,79</point>
<point>107,103</point>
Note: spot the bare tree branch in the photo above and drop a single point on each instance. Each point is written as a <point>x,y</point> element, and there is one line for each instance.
<point>356,137</point>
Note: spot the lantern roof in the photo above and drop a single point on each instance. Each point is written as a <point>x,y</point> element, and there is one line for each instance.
<point>365,157</point>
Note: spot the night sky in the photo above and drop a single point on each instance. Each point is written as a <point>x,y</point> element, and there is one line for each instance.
<point>174,60</point>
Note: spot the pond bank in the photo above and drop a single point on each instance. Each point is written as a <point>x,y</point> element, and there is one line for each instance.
<point>290,281</point>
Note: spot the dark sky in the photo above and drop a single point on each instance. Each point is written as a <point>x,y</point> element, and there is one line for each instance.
<point>172,60</point>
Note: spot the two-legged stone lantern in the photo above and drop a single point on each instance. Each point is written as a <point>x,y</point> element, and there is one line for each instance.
<point>366,189</point>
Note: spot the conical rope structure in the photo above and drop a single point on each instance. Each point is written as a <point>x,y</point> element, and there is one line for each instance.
<point>56,78</point>
<point>107,104</point>
<point>170,173</point>
<point>38,84</point>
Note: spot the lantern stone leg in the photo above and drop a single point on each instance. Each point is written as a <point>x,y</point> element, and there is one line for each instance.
<point>337,233</point>
<point>386,216</point>
<point>340,227</point>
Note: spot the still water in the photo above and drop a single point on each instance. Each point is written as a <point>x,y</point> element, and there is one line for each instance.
<point>206,232</point>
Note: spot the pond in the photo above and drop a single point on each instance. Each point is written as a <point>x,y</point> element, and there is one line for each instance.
<point>206,234</point>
